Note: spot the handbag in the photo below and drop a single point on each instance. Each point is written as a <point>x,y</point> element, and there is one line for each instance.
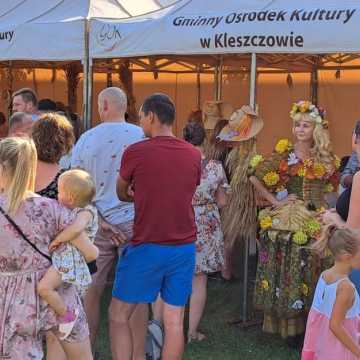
<point>17,228</point>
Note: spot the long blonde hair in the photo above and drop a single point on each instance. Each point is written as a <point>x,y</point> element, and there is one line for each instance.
<point>322,149</point>
<point>337,240</point>
<point>18,160</point>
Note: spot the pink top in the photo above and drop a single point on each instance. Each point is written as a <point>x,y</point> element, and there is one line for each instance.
<point>23,315</point>
<point>320,342</point>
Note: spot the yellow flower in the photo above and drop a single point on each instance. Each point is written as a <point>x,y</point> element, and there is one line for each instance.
<point>300,238</point>
<point>265,285</point>
<point>266,222</point>
<point>320,209</point>
<point>256,160</point>
<point>319,170</point>
<point>337,162</point>
<point>329,188</point>
<point>282,146</point>
<point>304,289</point>
<point>301,171</point>
<point>271,178</point>
<point>313,227</point>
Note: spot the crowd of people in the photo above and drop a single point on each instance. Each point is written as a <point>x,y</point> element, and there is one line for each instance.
<point>151,207</point>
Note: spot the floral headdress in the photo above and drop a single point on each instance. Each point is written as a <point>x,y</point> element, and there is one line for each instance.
<point>316,114</point>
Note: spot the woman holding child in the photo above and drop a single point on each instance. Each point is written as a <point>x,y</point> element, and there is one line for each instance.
<point>28,223</point>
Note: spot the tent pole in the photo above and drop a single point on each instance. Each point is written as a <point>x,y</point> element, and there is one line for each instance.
<point>220,78</point>
<point>253,81</point>
<point>87,79</point>
<point>198,86</point>
<point>247,240</point>
<point>216,82</point>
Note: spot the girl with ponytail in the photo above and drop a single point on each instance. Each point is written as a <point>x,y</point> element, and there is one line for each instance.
<point>333,322</point>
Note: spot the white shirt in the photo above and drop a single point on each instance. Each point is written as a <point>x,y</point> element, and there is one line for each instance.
<point>99,152</point>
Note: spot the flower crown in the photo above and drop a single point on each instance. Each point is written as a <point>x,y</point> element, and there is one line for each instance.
<point>306,107</point>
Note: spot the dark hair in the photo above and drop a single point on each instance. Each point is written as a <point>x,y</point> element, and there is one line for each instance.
<point>357,129</point>
<point>2,118</point>
<point>195,116</point>
<point>47,105</point>
<point>27,94</point>
<point>343,162</point>
<point>194,133</point>
<point>162,106</point>
<point>53,136</point>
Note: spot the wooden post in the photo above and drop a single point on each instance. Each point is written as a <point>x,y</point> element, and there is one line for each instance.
<point>126,80</point>
<point>198,87</point>
<point>314,86</point>
<point>72,73</point>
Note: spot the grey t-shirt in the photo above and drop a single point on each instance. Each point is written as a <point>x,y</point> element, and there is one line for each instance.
<point>99,152</point>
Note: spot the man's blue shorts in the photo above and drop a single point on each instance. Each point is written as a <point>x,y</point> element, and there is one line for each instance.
<point>147,270</point>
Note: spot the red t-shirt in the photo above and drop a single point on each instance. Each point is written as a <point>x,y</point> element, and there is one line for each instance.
<point>165,172</point>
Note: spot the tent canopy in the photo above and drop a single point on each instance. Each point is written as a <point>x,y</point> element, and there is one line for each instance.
<point>54,29</point>
<point>234,26</point>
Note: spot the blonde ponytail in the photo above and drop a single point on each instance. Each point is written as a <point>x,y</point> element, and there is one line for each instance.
<point>18,158</point>
<point>337,240</point>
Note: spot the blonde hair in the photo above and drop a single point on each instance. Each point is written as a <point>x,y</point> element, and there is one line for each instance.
<point>321,150</point>
<point>18,159</point>
<point>79,185</point>
<point>337,240</point>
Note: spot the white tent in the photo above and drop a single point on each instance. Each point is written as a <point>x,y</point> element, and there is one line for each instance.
<point>55,29</point>
<point>236,26</point>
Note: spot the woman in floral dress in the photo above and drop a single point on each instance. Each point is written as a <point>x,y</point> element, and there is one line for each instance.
<point>294,180</point>
<point>209,197</point>
<point>24,317</point>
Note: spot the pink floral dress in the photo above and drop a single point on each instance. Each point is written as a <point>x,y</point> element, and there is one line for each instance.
<point>24,317</point>
<point>210,239</point>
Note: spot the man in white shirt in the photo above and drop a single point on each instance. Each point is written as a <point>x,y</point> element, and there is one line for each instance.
<point>99,152</point>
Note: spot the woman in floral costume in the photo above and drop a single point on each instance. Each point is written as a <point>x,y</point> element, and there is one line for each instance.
<point>294,180</point>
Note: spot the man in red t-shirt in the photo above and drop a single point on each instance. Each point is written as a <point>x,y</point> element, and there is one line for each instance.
<point>160,175</point>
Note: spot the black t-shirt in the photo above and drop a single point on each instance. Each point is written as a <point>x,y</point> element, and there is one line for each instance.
<point>343,204</point>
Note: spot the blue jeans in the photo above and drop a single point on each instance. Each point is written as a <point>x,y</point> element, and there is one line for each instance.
<point>355,278</point>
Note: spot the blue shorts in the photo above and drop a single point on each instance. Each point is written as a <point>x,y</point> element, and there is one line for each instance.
<point>147,270</point>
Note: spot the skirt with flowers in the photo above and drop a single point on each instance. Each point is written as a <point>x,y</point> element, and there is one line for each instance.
<point>287,270</point>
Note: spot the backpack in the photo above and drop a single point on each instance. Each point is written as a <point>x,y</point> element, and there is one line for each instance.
<point>154,340</point>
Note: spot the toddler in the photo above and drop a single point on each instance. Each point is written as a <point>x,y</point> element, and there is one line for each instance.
<point>71,250</point>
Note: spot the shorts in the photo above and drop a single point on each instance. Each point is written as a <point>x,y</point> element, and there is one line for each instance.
<point>109,253</point>
<point>146,270</point>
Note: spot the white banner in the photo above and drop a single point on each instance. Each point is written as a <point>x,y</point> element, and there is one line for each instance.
<point>309,27</point>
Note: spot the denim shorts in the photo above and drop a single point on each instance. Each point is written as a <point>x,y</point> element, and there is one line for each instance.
<point>146,270</point>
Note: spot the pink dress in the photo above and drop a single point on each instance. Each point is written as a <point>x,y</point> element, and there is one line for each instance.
<point>320,343</point>
<point>24,317</point>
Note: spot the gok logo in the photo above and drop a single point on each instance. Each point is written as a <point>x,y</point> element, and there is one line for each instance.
<point>109,37</point>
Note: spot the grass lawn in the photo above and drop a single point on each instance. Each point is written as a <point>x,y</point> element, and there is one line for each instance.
<point>224,342</point>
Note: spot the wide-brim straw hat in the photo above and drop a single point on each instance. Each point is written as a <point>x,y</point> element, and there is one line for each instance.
<point>244,124</point>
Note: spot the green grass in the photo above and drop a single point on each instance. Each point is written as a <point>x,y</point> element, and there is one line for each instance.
<point>224,342</point>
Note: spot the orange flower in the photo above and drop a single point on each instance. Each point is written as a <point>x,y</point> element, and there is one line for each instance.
<point>283,166</point>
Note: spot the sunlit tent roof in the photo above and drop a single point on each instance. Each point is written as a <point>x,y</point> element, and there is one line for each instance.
<point>54,29</point>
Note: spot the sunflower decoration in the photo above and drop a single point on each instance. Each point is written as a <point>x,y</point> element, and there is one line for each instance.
<point>266,223</point>
<point>312,227</point>
<point>271,178</point>
<point>282,146</point>
<point>256,160</point>
<point>265,285</point>
<point>300,238</point>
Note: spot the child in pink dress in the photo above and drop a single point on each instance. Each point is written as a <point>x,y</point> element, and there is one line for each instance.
<point>333,322</point>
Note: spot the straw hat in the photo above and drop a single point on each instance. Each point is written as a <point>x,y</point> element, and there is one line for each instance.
<point>215,110</point>
<point>243,125</point>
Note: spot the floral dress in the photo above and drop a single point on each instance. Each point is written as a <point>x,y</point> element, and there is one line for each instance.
<point>24,316</point>
<point>210,240</point>
<point>287,270</point>
<point>68,260</point>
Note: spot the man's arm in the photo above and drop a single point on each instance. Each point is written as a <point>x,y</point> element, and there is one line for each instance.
<point>124,190</point>
<point>349,171</point>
